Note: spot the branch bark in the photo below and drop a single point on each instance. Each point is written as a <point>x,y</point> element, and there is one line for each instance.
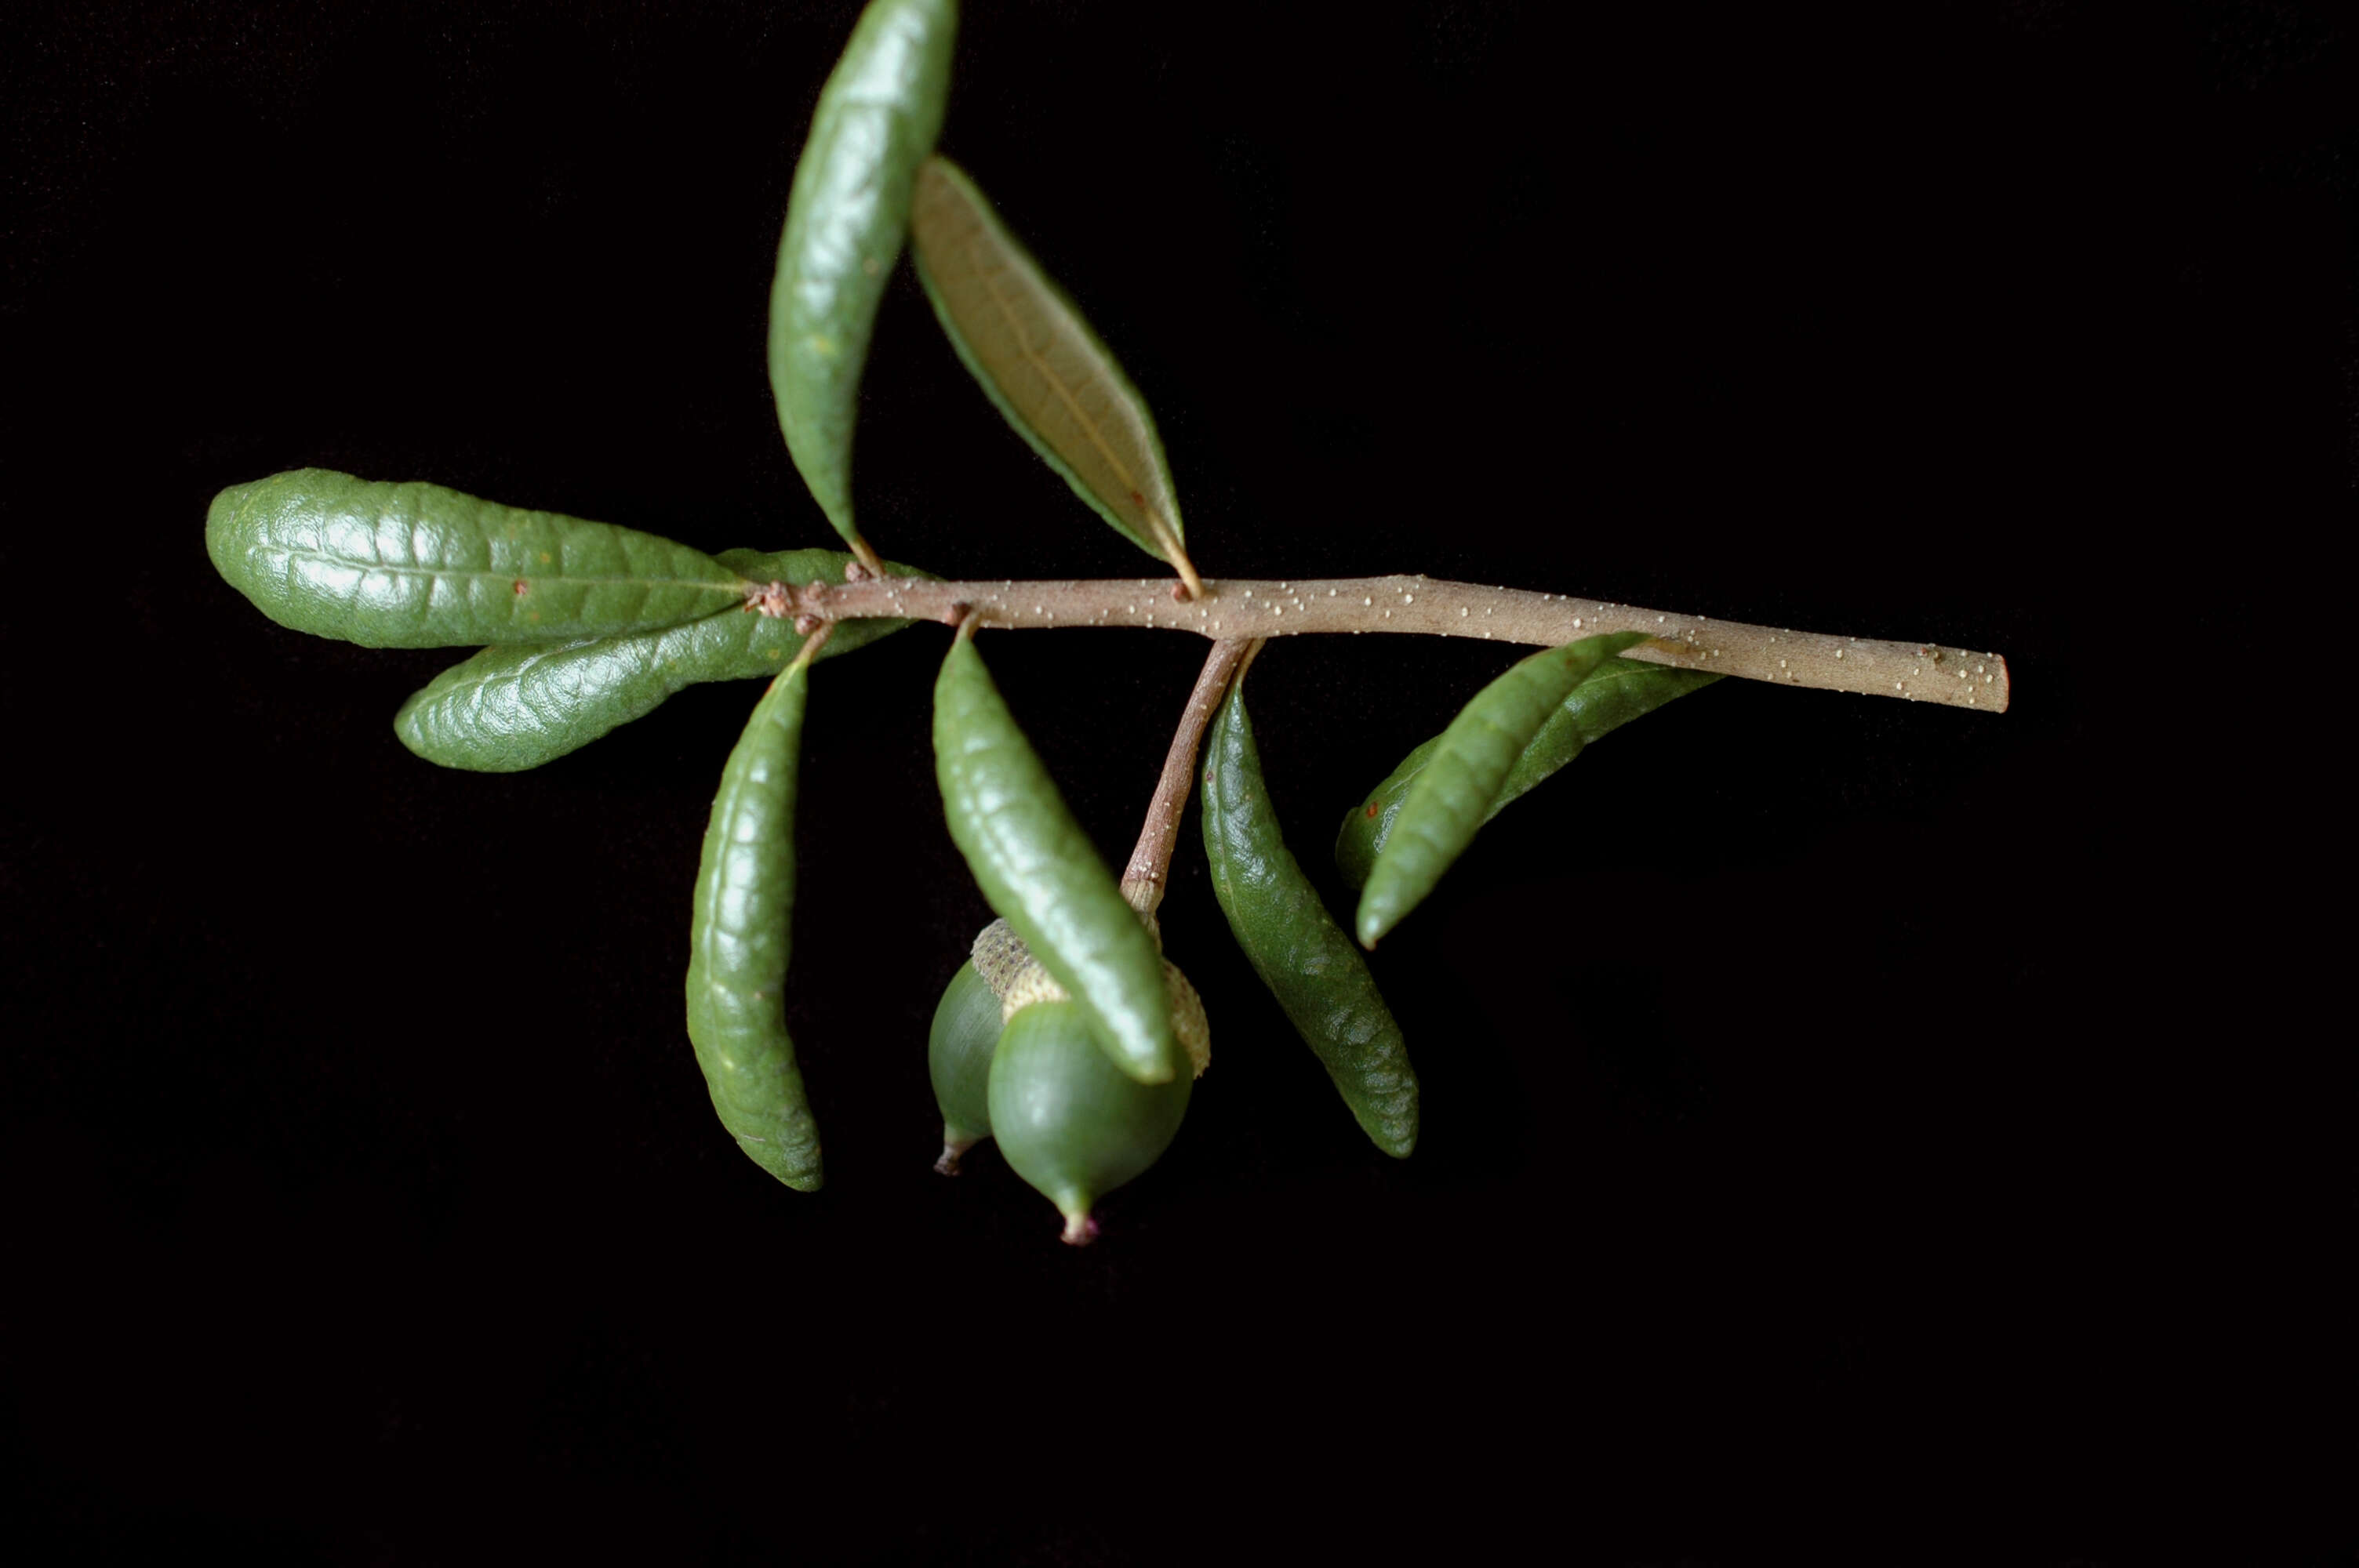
<point>1236,608</point>
<point>1150,862</point>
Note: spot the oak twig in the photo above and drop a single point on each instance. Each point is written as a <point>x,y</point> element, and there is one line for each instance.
<point>1236,608</point>
<point>1150,862</point>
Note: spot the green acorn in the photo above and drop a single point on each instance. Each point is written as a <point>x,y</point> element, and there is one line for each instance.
<point>958,1053</point>
<point>1070,1121</point>
<point>966,1029</point>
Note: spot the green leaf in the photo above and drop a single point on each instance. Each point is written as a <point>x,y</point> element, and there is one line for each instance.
<point>877,117</point>
<point>1617,692</point>
<point>1040,874</point>
<point>509,709</point>
<point>741,936</point>
<point>1450,797</point>
<point>1300,954</point>
<point>417,566</point>
<point>1041,366</point>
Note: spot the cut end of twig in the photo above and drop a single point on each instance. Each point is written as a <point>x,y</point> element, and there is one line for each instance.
<point>775,600</point>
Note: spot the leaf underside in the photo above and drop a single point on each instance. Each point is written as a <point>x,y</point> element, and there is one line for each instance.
<point>1040,365</point>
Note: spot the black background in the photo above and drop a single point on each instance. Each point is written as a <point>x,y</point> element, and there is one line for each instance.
<point>1852,1128</point>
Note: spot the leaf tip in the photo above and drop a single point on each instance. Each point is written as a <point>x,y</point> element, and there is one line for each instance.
<point>1160,1071</point>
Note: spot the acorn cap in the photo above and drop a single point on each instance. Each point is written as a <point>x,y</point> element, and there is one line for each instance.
<point>1188,1025</point>
<point>999,955</point>
<point>1188,1021</point>
<point>1016,979</point>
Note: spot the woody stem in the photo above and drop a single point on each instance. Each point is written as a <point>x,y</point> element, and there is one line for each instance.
<point>1150,862</point>
<point>1235,608</point>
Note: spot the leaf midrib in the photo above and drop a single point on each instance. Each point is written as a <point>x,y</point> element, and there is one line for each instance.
<point>297,552</point>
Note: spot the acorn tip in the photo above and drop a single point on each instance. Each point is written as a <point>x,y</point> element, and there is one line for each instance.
<point>953,1146</point>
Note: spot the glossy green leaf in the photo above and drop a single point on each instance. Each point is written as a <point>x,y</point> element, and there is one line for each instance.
<point>1451,796</point>
<point>877,118</point>
<point>1038,361</point>
<point>1300,954</point>
<point>509,709</point>
<point>417,566</point>
<point>1039,871</point>
<point>740,938</point>
<point>1616,692</point>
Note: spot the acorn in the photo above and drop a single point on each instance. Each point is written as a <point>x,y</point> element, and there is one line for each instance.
<point>1077,1149</point>
<point>1070,1121</point>
<point>958,1054</point>
<point>966,1029</point>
